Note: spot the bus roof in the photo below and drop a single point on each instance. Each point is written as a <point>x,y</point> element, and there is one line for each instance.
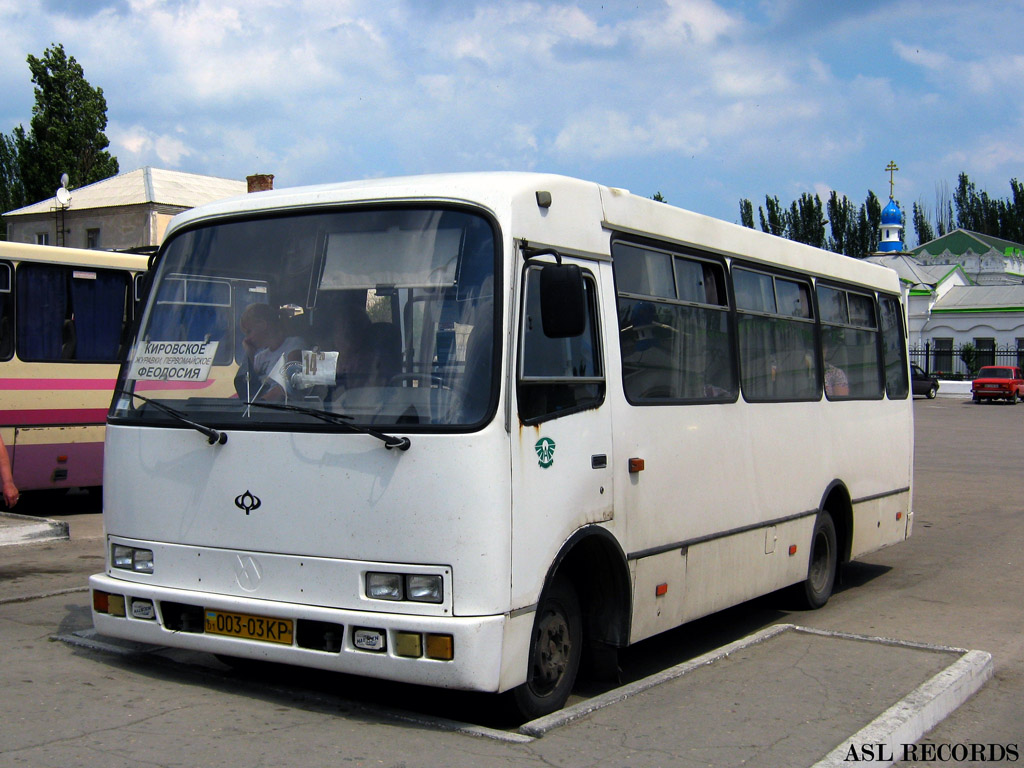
<point>581,225</point>
<point>52,254</point>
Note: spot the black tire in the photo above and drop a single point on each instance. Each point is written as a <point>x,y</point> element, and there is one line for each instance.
<point>555,651</point>
<point>822,564</point>
<point>932,391</point>
<point>1013,398</point>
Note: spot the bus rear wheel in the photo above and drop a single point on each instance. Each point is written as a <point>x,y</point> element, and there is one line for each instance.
<point>555,651</point>
<point>823,563</point>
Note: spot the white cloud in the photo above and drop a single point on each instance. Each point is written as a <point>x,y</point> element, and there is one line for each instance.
<point>137,146</point>
<point>685,23</point>
<point>607,134</point>
<point>704,100</point>
<point>922,57</point>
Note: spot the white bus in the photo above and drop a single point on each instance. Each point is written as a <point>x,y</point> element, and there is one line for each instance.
<point>65,319</point>
<point>508,420</point>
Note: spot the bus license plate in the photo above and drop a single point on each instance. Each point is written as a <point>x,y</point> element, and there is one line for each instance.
<point>264,628</point>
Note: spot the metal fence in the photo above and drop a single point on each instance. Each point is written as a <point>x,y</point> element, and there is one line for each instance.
<point>963,362</point>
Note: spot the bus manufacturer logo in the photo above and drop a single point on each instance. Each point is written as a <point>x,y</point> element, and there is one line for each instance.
<point>545,449</point>
<point>248,573</point>
<point>247,502</point>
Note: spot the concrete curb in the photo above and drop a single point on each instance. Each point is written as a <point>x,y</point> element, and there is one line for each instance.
<point>23,529</point>
<point>917,713</point>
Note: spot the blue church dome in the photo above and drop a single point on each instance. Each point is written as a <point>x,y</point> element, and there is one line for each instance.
<point>892,214</point>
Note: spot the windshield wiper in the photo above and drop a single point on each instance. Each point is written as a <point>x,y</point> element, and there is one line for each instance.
<point>390,441</point>
<point>212,435</point>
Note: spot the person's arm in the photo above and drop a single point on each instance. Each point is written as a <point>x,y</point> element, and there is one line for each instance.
<point>10,489</point>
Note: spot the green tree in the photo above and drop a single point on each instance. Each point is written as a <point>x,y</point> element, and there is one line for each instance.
<point>969,357</point>
<point>66,131</point>
<point>869,233</point>
<point>12,192</point>
<point>842,217</point>
<point>806,224</point>
<point>746,213</point>
<point>1015,223</point>
<point>774,221</point>
<point>658,197</point>
<point>922,227</point>
<point>854,231</point>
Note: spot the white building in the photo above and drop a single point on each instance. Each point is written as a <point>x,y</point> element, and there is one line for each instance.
<point>963,288</point>
<point>130,210</point>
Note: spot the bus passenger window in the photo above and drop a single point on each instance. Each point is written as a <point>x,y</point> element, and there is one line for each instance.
<point>557,376</point>
<point>675,334</point>
<point>849,334</point>
<point>896,385</point>
<point>6,312</point>
<point>70,314</point>
<point>778,357</point>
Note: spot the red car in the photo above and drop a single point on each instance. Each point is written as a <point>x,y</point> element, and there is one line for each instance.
<point>998,381</point>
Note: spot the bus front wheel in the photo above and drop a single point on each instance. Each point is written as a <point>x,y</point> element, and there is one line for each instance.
<point>555,650</point>
<point>824,560</point>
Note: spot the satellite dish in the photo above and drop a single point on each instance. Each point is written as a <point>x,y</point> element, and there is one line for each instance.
<point>63,197</point>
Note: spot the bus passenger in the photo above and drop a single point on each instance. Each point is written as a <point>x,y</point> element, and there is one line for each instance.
<point>10,489</point>
<point>836,383</point>
<point>369,354</point>
<point>265,344</point>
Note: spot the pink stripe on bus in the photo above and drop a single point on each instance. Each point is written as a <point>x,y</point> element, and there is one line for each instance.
<point>31,385</point>
<point>61,384</point>
<point>30,416</point>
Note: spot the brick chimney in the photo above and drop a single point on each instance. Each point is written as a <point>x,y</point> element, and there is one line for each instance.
<point>260,182</point>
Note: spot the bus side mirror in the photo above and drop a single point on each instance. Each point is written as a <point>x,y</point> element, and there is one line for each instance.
<point>563,308</point>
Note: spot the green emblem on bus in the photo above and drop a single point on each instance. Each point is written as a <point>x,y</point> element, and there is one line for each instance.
<point>545,449</point>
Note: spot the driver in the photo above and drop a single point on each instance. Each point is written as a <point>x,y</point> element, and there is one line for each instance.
<point>369,353</point>
<point>266,343</point>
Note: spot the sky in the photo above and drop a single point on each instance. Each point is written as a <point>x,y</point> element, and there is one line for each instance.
<point>705,102</point>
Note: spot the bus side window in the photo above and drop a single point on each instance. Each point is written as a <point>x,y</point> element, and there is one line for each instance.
<point>6,312</point>
<point>894,345</point>
<point>850,337</point>
<point>675,334</point>
<point>557,376</point>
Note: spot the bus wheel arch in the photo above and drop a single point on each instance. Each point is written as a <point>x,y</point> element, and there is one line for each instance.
<point>590,572</point>
<point>556,646</point>
<point>830,542</point>
<point>836,501</point>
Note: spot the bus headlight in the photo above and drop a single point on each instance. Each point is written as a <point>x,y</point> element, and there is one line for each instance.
<point>132,559</point>
<point>424,588</point>
<point>384,586</point>
<point>416,587</point>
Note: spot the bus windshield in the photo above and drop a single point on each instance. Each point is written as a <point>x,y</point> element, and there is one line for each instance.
<point>383,317</point>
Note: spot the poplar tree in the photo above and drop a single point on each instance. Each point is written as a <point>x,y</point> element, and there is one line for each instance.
<point>65,134</point>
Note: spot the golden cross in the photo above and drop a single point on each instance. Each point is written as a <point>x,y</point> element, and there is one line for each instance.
<point>891,168</point>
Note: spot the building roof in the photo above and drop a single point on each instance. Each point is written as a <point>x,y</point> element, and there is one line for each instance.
<point>960,241</point>
<point>982,298</point>
<point>143,186</point>
<point>914,273</point>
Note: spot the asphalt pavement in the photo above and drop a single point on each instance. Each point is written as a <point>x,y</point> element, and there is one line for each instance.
<point>785,695</point>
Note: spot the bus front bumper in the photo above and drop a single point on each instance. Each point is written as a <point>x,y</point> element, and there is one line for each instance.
<point>479,653</point>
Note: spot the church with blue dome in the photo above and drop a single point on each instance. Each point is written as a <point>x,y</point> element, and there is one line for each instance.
<point>960,288</point>
<point>891,227</point>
